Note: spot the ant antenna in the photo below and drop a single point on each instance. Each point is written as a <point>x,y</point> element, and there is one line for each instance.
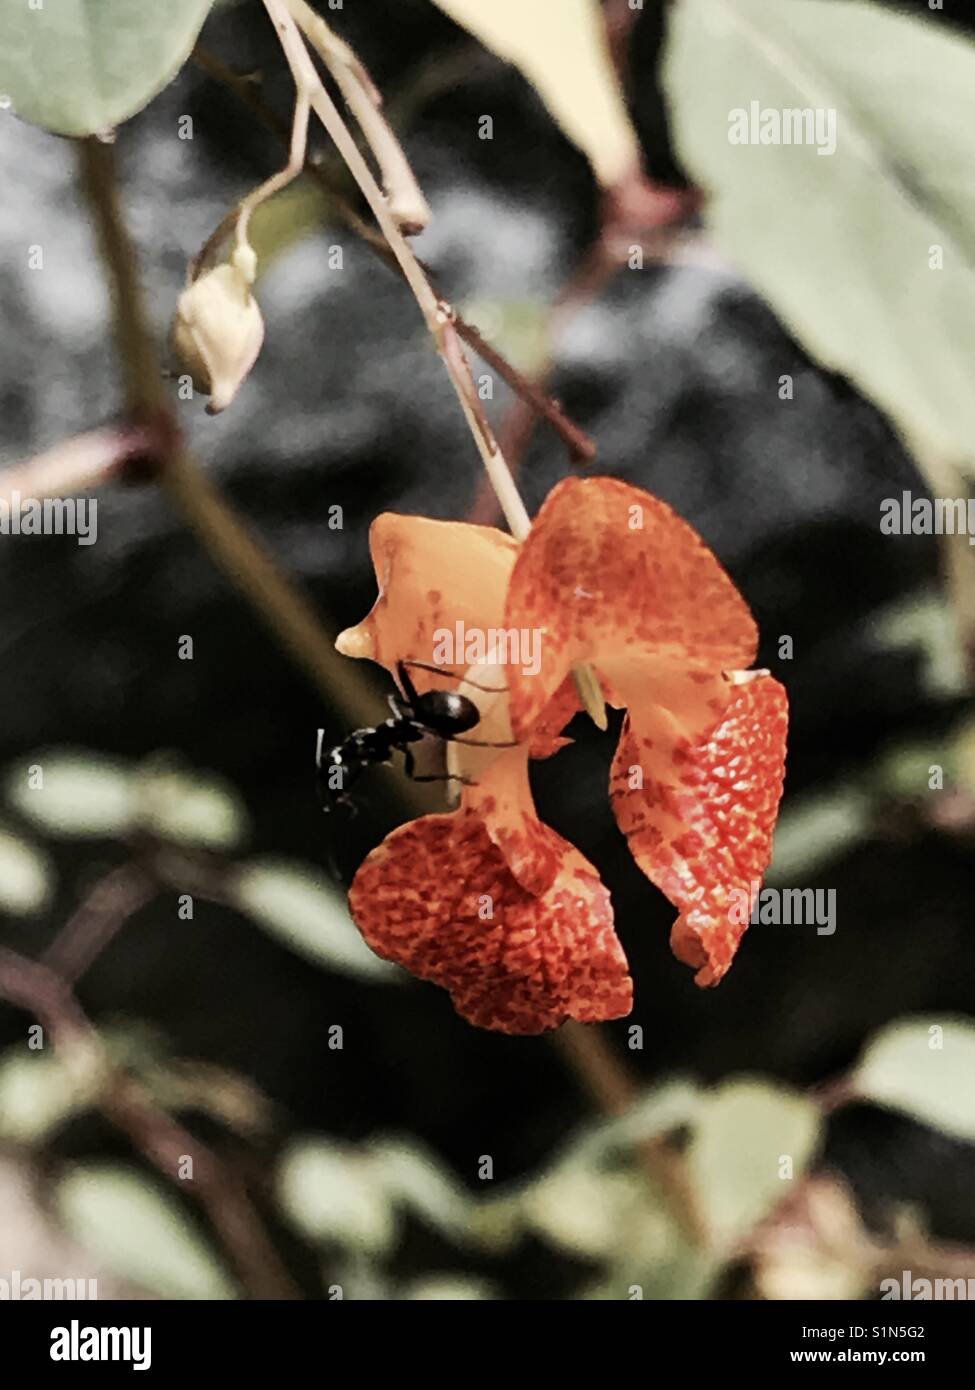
<point>455,674</point>
<point>483,743</point>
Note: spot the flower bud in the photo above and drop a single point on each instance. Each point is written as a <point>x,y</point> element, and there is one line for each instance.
<point>218,332</point>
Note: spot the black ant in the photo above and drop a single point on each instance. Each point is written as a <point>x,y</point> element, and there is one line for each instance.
<point>443,713</point>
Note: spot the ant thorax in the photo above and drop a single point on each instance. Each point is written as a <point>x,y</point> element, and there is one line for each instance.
<point>484,686</point>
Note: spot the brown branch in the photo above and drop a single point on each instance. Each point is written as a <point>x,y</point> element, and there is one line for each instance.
<point>603,1076</point>
<point>81,463</point>
<point>98,920</point>
<point>128,1105</point>
<point>582,447</point>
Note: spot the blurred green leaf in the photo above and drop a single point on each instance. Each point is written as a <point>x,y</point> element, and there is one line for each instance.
<point>521,329</point>
<point>187,807</point>
<point>839,243</point>
<point>118,1215</point>
<point>38,1092</point>
<point>73,793</point>
<point>26,876</point>
<point>958,758</point>
<point>449,1288</point>
<point>285,220</point>
<point>596,1197</point>
<point>333,1193</point>
<point>79,794</point>
<point>904,771</point>
<point>563,51</point>
<point>658,1111</point>
<point>817,828</point>
<point>678,1270</point>
<point>928,624</point>
<point>748,1136</point>
<point>598,1214</point>
<point>80,67</point>
<point>301,908</point>
<point>924,1067</point>
<point>413,1178</point>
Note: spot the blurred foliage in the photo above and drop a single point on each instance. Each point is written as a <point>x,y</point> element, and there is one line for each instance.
<point>300,907</point>
<point>139,1231</point>
<point>924,1067</point>
<point>564,54</point>
<point>840,243</point>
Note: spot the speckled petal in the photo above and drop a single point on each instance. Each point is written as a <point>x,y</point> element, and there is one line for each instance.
<point>608,569</point>
<point>503,801</point>
<point>700,822</point>
<point>438,898</point>
<point>546,734</point>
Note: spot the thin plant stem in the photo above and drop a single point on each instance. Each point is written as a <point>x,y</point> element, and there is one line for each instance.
<point>437,315</point>
<point>581,447</point>
<point>79,464</point>
<point>407,205</point>
<point>439,322</point>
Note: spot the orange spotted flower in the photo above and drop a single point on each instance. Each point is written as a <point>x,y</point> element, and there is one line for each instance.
<point>486,900</point>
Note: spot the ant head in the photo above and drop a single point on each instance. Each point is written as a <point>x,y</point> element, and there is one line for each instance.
<point>445,713</point>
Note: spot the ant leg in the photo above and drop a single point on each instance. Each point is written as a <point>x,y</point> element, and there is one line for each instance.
<point>409,765</point>
<point>452,673</point>
<point>407,686</point>
<point>449,777</point>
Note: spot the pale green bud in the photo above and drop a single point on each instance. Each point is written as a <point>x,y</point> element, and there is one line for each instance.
<point>218,332</point>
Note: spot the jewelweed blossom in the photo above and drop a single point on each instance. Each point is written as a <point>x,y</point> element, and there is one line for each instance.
<point>487,900</point>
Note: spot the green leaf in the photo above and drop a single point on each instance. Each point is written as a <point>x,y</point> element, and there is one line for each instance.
<point>595,1198</point>
<point>80,67</point>
<point>819,827</point>
<point>839,243</point>
<point>561,47</point>
<point>333,1193</point>
<point>904,770</point>
<point>414,1179</point>
<point>924,1067</point>
<point>302,909</point>
<point>125,1220</point>
<point>38,1092</point>
<point>26,877</point>
<point>520,328</point>
<point>657,1111</point>
<point>187,807</point>
<point>597,1214</point>
<point>74,794</point>
<point>928,625</point>
<point>749,1138</point>
<point>448,1288</point>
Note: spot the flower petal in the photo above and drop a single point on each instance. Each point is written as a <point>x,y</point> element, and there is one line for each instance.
<point>546,734</point>
<point>700,824</point>
<point>437,897</point>
<point>431,575</point>
<point>502,799</point>
<point>609,569</point>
